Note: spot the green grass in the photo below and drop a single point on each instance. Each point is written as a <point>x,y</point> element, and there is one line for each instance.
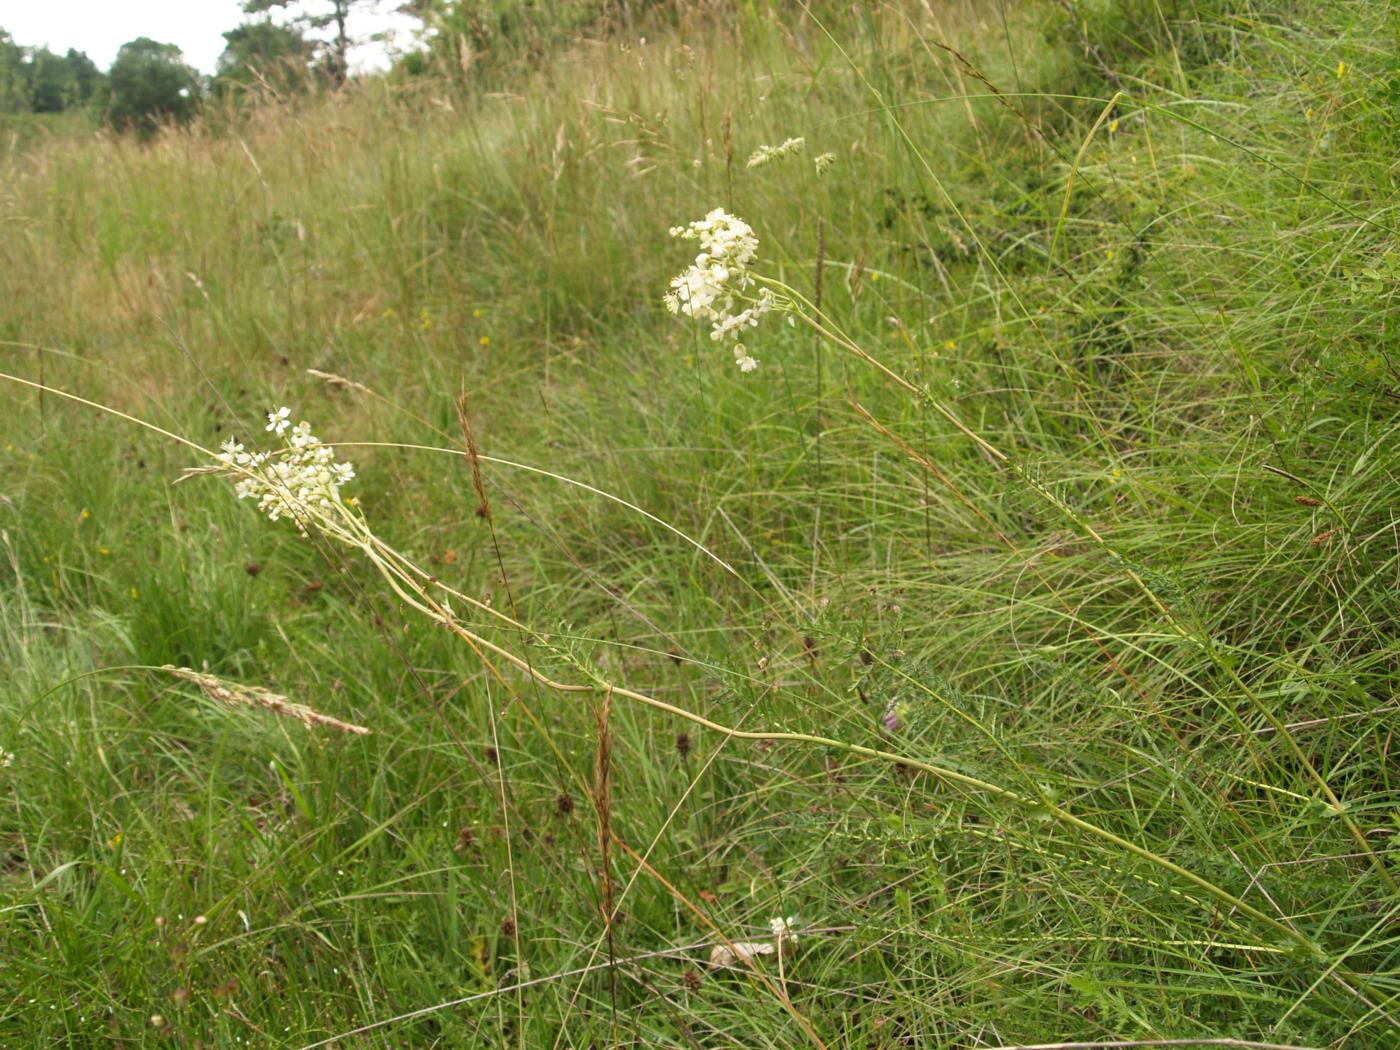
<point>1169,614</point>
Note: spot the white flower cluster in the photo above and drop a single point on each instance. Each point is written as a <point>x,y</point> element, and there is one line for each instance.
<point>768,154</point>
<point>783,929</point>
<point>296,481</point>
<point>712,288</point>
<point>823,162</point>
<point>7,758</point>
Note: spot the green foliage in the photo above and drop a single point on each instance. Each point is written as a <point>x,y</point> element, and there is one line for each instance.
<point>151,86</point>
<point>1169,613</point>
<point>263,53</point>
<point>60,83</point>
<point>487,43</point>
<point>37,80</point>
<point>464,34</point>
<point>319,15</point>
<point>14,80</point>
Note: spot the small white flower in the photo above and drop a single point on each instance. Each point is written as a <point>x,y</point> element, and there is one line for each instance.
<point>278,421</point>
<point>783,927</point>
<point>7,758</point>
<point>713,287</point>
<point>823,162</point>
<point>297,482</point>
<point>784,933</point>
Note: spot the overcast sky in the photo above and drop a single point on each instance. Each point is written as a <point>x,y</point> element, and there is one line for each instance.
<point>99,27</point>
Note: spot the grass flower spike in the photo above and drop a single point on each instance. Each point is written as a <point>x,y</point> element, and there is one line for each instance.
<point>712,288</point>
<point>768,154</point>
<point>296,481</point>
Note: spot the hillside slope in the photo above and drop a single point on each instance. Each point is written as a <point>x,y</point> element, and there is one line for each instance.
<point>1049,552</point>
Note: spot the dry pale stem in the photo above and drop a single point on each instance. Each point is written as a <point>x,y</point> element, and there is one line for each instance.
<point>235,695</point>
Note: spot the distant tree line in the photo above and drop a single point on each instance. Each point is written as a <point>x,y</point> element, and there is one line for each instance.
<point>36,80</point>
<point>149,84</point>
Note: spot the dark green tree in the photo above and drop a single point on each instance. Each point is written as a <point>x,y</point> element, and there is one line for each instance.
<point>35,80</point>
<point>89,82</point>
<point>14,77</point>
<point>151,86</point>
<point>59,82</point>
<point>318,16</point>
<point>262,52</point>
<point>50,84</point>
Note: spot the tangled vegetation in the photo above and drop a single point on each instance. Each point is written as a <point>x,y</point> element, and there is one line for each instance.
<point>996,647</point>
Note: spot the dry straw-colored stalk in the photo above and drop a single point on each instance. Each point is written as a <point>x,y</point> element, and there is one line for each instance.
<point>483,509</point>
<point>339,381</point>
<point>235,695</point>
<point>602,799</point>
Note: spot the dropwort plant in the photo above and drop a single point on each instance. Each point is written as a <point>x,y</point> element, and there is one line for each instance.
<point>715,286</point>
<point>293,481</point>
<point>303,481</point>
<point>1086,814</point>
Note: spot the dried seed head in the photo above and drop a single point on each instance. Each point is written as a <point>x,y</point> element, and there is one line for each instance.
<point>338,381</point>
<point>235,695</point>
<point>683,744</point>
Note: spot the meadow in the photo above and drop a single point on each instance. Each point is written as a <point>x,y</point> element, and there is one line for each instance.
<point>1022,629</point>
